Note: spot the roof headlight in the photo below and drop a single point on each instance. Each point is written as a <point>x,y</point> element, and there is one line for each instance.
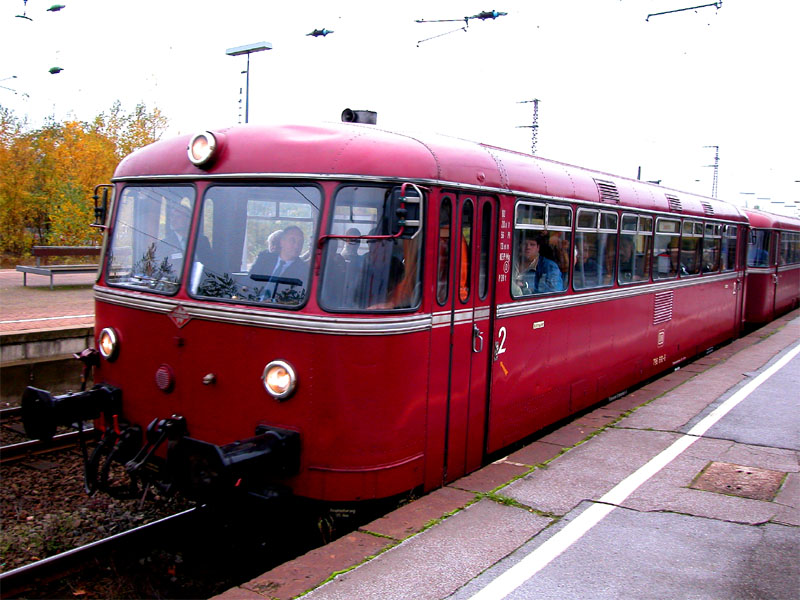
<point>280,379</point>
<point>108,344</point>
<point>203,149</point>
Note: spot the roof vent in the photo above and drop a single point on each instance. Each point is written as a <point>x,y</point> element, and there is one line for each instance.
<point>707,208</point>
<point>608,191</point>
<point>369,117</point>
<point>674,203</point>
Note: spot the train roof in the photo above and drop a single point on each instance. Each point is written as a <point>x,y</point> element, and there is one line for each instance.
<point>348,149</point>
<point>766,220</point>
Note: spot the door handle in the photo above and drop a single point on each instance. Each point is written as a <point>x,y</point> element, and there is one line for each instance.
<point>477,336</point>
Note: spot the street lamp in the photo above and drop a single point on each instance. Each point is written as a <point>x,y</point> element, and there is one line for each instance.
<point>248,49</point>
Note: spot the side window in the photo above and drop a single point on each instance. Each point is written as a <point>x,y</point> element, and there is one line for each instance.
<point>542,239</point>
<point>691,246</point>
<point>712,247</point>
<point>364,266</point>
<point>758,248</point>
<point>665,248</point>
<point>790,248</point>
<point>486,239</point>
<point>728,252</point>
<point>465,253</point>
<point>635,248</point>
<point>595,249</point>
<point>443,261</point>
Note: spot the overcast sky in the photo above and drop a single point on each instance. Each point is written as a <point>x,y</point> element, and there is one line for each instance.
<point>617,92</point>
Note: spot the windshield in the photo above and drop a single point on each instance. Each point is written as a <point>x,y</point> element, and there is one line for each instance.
<point>255,244</point>
<point>368,274</point>
<point>149,238</point>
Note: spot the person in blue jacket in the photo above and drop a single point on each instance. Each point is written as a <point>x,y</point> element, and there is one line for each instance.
<point>536,274</point>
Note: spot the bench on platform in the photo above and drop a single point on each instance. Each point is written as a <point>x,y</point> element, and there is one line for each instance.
<point>45,251</point>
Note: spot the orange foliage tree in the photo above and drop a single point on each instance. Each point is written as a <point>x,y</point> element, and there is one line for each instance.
<point>47,175</point>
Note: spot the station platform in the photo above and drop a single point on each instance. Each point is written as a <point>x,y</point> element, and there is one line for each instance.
<point>35,306</point>
<point>688,487</point>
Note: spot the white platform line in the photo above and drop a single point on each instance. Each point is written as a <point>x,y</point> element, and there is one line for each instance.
<point>47,319</point>
<point>537,560</point>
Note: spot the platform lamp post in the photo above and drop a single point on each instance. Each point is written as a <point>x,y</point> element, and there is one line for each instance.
<point>248,49</point>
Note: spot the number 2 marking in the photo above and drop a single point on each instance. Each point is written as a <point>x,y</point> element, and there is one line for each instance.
<point>500,346</point>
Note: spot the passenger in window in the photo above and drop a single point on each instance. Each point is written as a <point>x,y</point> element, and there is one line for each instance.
<point>626,258</point>
<point>179,218</point>
<point>352,246</point>
<point>286,271</point>
<point>383,271</point>
<point>535,273</point>
<point>351,266</point>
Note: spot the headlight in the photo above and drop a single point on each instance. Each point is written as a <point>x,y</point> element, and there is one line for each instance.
<point>279,379</point>
<point>108,344</point>
<point>202,149</point>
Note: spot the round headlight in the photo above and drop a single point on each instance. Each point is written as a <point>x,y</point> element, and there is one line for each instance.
<point>279,379</point>
<point>108,344</point>
<point>202,149</point>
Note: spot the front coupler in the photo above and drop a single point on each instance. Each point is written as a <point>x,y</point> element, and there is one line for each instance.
<point>207,471</point>
<point>42,412</point>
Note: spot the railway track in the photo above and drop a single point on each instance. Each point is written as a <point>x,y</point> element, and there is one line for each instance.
<point>10,418</point>
<point>23,580</point>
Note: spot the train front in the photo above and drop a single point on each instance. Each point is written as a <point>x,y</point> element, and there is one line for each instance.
<point>258,329</point>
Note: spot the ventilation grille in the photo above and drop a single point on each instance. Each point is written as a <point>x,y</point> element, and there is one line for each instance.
<point>674,203</point>
<point>707,208</point>
<point>662,308</point>
<point>608,191</point>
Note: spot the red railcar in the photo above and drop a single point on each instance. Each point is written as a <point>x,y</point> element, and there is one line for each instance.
<point>435,300</point>
<point>773,266</point>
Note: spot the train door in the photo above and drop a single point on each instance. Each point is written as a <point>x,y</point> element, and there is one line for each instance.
<point>462,325</point>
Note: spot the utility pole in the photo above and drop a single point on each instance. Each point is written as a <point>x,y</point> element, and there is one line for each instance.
<point>534,127</point>
<point>716,170</point>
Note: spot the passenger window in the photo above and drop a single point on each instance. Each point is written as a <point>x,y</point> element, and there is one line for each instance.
<point>595,249</point>
<point>443,266</point>
<point>790,248</point>
<point>542,238</point>
<point>728,252</point>
<point>691,245</point>
<point>465,259</point>
<point>712,247</point>
<point>666,248</point>
<point>635,249</point>
<point>758,248</point>
<point>486,240</point>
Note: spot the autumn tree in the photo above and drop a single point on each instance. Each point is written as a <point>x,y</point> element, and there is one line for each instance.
<point>47,175</point>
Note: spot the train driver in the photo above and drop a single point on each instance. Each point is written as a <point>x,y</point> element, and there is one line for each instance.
<point>287,270</point>
<point>535,274</point>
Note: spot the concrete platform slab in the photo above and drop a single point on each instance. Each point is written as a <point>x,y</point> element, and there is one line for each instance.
<point>588,471</point>
<point>440,560</point>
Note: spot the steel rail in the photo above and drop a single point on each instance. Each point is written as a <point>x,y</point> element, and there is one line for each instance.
<point>23,579</point>
<point>59,442</point>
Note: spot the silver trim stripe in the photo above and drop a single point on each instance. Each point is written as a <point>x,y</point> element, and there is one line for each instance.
<point>514,309</point>
<point>289,321</point>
